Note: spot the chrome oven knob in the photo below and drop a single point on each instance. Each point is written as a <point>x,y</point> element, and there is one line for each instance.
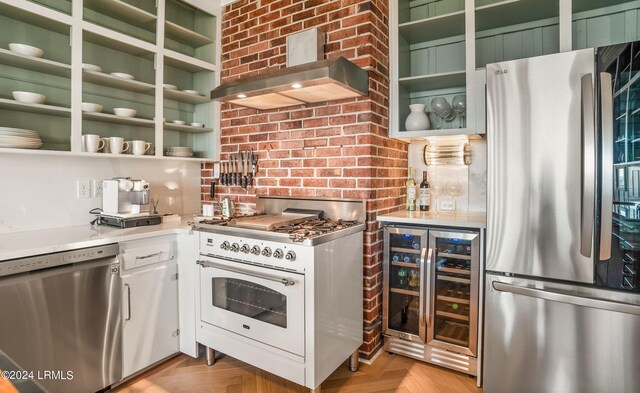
<point>266,252</point>
<point>291,256</point>
<point>235,247</point>
<point>245,248</point>
<point>278,253</point>
<point>255,250</point>
<point>225,245</point>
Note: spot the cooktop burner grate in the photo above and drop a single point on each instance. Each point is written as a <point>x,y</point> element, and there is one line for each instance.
<point>310,228</point>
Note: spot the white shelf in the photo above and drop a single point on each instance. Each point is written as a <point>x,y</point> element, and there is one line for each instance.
<point>181,34</point>
<point>181,96</point>
<point>187,63</point>
<point>121,10</point>
<point>185,128</point>
<point>492,16</point>
<point>434,81</point>
<point>431,29</point>
<point>420,135</point>
<point>13,59</point>
<point>115,40</point>
<point>103,79</point>
<point>42,109</point>
<point>41,152</point>
<point>109,118</point>
<point>37,15</point>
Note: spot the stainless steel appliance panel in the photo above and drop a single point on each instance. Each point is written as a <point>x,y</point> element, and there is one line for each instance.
<point>66,318</point>
<point>539,176</point>
<point>559,338</point>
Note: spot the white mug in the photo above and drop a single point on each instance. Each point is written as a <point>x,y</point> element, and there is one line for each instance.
<point>139,148</point>
<point>117,145</point>
<point>106,148</point>
<point>207,210</point>
<point>93,143</point>
<point>128,151</point>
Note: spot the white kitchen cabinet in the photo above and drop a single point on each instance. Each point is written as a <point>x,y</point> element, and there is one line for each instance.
<point>150,327</point>
<point>168,46</point>
<point>150,316</point>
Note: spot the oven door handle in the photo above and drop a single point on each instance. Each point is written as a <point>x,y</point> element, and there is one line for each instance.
<point>282,280</point>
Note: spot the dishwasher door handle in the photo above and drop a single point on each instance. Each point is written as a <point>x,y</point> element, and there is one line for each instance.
<point>128,318</point>
<point>560,297</point>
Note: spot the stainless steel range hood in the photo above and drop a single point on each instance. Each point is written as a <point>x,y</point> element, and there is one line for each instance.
<point>315,81</point>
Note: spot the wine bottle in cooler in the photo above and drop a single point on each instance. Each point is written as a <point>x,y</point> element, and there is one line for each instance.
<point>411,191</point>
<point>425,194</point>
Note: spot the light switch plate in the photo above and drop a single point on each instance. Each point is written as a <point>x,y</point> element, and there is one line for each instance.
<point>447,206</point>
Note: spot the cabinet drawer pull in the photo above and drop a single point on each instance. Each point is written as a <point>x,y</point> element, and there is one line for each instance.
<point>155,254</point>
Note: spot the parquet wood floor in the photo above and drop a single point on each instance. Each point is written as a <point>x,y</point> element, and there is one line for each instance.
<point>389,373</point>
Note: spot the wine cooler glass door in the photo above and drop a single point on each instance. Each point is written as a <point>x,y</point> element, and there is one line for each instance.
<point>404,283</point>
<point>453,291</point>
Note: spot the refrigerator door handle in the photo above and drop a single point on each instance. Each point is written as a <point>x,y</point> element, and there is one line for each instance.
<point>573,300</point>
<point>422,303</point>
<point>606,207</point>
<point>588,166</point>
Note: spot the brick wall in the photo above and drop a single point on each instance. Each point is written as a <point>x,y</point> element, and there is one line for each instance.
<point>336,149</point>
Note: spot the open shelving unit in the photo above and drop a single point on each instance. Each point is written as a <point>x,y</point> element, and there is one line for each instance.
<point>441,48</point>
<point>164,41</point>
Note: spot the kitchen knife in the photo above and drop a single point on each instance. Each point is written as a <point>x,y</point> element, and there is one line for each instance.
<point>243,179</point>
<point>238,176</point>
<point>223,166</point>
<point>231,170</point>
<point>212,190</point>
<point>250,175</point>
<point>240,167</point>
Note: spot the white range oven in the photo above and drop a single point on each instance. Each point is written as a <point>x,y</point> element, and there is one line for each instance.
<point>285,298</point>
<point>261,303</point>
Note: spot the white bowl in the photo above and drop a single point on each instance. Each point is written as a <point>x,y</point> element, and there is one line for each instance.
<point>170,87</point>
<point>26,50</point>
<point>122,75</point>
<point>191,92</point>
<point>28,98</point>
<point>125,112</point>
<point>91,67</point>
<point>91,107</point>
<point>197,125</point>
<point>179,122</point>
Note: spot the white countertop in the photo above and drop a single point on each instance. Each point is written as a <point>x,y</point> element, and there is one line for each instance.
<point>448,219</point>
<point>28,243</point>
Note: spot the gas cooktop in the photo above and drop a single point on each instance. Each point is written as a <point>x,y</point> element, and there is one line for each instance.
<point>303,227</point>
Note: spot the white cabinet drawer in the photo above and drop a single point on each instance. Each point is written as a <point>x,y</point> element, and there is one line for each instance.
<point>145,252</point>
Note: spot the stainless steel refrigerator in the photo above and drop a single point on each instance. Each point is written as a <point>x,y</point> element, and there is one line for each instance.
<point>562,310</point>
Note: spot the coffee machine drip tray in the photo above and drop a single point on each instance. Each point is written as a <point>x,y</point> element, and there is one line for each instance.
<point>129,220</point>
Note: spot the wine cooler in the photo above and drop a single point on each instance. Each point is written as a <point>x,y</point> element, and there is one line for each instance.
<point>431,295</point>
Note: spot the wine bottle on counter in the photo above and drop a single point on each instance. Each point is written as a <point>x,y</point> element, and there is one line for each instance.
<point>411,191</point>
<point>425,196</point>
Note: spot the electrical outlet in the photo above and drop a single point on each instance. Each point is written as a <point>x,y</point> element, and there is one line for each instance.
<point>447,206</point>
<point>96,188</point>
<point>83,189</point>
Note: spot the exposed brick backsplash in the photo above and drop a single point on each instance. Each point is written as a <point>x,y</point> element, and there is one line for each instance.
<point>336,149</point>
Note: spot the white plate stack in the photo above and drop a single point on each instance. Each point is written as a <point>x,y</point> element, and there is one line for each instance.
<point>19,138</point>
<point>180,151</point>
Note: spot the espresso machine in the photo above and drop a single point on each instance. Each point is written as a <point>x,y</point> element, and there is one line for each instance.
<point>125,203</point>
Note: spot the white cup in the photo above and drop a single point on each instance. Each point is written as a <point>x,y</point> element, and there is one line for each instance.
<point>117,145</point>
<point>139,148</point>
<point>93,143</point>
<point>135,209</point>
<point>106,145</point>
<point>207,210</point>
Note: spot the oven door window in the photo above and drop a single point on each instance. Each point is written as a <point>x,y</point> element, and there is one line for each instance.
<point>250,300</point>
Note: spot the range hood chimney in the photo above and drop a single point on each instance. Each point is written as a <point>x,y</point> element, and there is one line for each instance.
<point>308,78</point>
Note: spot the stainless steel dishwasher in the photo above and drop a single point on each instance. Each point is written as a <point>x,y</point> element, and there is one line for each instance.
<point>61,318</point>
